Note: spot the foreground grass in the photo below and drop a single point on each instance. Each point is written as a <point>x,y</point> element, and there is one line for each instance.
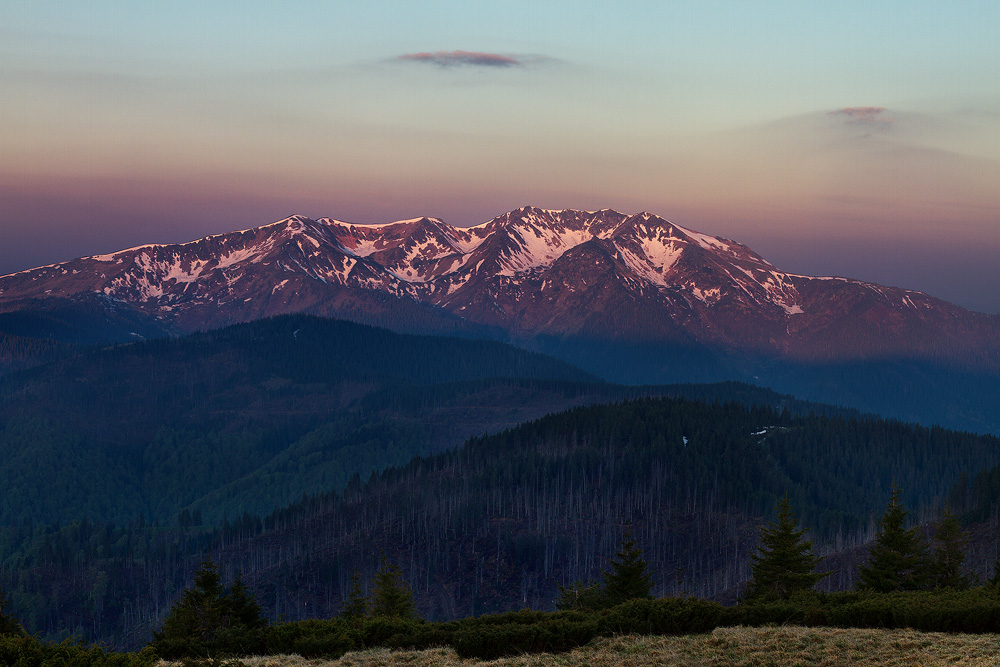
<point>725,647</point>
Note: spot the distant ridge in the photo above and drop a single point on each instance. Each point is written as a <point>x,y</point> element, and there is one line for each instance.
<point>634,298</point>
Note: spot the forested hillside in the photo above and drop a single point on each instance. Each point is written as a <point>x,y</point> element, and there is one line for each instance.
<point>153,427</point>
<point>249,418</point>
<point>499,523</point>
<point>88,318</point>
<point>20,352</point>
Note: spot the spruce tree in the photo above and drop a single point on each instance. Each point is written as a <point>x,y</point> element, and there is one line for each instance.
<point>356,604</point>
<point>580,596</point>
<point>193,622</point>
<point>8,624</point>
<point>949,552</point>
<point>898,559</point>
<point>627,579</point>
<point>209,620</point>
<point>240,607</point>
<point>391,596</point>
<point>994,581</point>
<point>784,562</point>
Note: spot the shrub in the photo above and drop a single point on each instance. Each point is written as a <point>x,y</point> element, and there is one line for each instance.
<point>329,646</point>
<point>27,651</point>
<point>975,610</point>
<point>580,596</point>
<point>383,631</point>
<point>311,639</point>
<point>332,638</point>
<point>488,641</point>
<point>523,617</point>
<point>664,616</point>
<point>972,611</point>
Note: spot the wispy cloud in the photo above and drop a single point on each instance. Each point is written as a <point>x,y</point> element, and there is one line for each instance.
<point>864,115</point>
<point>464,58</point>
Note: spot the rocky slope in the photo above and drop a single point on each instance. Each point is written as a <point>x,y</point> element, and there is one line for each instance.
<point>529,272</point>
<point>634,298</point>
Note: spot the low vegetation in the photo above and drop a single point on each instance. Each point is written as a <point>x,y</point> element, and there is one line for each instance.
<point>208,622</point>
<point>723,647</point>
<point>780,620</point>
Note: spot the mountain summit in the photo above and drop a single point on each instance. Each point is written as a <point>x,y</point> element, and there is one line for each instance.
<point>634,298</point>
<point>530,272</point>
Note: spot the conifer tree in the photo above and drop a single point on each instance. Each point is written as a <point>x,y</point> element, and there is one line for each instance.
<point>191,626</point>
<point>391,596</point>
<point>356,604</point>
<point>240,606</point>
<point>627,579</point>
<point>208,619</point>
<point>580,596</point>
<point>994,581</point>
<point>898,559</point>
<point>784,562</point>
<point>8,624</point>
<point>949,552</point>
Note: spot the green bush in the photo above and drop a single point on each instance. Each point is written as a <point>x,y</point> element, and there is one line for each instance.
<point>527,631</point>
<point>664,616</point>
<point>422,635</point>
<point>773,612</point>
<point>383,631</point>
<point>330,646</point>
<point>975,610</point>
<point>311,638</point>
<point>28,651</point>
<point>490,640</point>
<point>524,617</point>
<point>332,638</point>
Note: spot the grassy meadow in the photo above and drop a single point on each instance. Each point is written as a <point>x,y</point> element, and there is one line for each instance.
<point>724,647</point>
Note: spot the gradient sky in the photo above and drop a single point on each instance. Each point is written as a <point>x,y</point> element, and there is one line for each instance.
<point>850,138</point>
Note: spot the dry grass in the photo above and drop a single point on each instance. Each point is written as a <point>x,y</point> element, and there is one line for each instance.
<point>725,647</point>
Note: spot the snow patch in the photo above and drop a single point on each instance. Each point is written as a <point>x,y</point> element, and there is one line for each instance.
<point>114,256</point>
<point>706,241</point>
<point>377,225</point>
<point>708,296</point>
<point>236,257</point>
<point>539,246</point>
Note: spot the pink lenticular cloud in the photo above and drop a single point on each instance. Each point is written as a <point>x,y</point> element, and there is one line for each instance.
<point>863,115</point>
<point>471,58</point>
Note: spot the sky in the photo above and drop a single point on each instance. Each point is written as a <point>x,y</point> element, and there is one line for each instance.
<point>859,139</point>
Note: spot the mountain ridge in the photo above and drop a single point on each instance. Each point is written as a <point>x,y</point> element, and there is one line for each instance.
<point>633,298</point>
<point>449,267</point>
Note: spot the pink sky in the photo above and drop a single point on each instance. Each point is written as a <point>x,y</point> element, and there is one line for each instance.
<point>868,148</point>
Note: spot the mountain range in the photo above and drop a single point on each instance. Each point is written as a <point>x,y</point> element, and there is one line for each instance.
<point>631,298</point>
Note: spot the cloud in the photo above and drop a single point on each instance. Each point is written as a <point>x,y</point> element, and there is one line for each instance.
<point>457,58</point>
<point>863,115</point>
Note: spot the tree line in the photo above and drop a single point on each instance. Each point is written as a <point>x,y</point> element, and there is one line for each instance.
<point>211,620</point>
<point>507,519</point>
